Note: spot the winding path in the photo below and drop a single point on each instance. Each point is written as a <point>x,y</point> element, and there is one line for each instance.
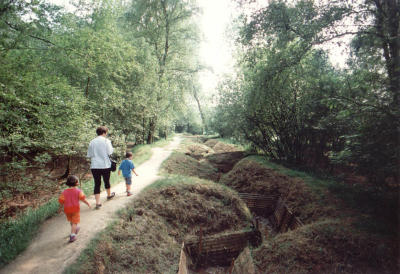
<point>50,252</point>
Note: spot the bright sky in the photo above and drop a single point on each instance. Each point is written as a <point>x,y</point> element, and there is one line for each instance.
<point>214,49</point>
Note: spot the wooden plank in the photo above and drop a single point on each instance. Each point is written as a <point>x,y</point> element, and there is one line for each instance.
<point>224,245</point>
<point>247,194</point>
<point>183,261</point>
<point>232,247</point>
<point>286,221</point>
<point>244,263</point>
<point>221,237</point>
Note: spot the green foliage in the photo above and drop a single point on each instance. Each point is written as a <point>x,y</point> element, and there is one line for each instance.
<point>63,73</point>
<point>290,103</point>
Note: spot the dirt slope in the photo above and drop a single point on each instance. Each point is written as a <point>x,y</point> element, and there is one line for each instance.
<point>49,251</point>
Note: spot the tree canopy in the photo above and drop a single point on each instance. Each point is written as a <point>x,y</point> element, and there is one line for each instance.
<point>123,64</point>
<point>288,101</point>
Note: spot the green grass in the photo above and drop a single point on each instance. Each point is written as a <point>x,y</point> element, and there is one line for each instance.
<point>16,234</point>
<point>314,182</point>
<point>171,180</point>
<point>142,153</point>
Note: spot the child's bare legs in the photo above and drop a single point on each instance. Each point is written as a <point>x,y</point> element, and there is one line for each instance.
<point>128,182</point>
<point>73,228</point>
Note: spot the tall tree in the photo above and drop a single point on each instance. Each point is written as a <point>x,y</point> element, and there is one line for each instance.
<point>166,27</point>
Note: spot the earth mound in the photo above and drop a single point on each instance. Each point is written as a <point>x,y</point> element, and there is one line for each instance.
<point>198,151</point>
<point>225,161</point>
<point>148,236</point>
<point>326,246</point>
<point>250,176</point>
<point>182,164</point>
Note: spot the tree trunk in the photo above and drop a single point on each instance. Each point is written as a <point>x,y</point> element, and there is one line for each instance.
<point>152,127</point>
<point>144,130</point>
<point>87,87</point>
<point>196,97</point>
<point>66,173</point>
<point>387,24</point>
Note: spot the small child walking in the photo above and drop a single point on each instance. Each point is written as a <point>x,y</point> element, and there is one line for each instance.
<point>69,199</point>
<point>127,166</point>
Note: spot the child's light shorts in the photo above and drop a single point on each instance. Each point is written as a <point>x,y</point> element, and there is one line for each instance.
<point>128,180</point>
<point>74,218</point>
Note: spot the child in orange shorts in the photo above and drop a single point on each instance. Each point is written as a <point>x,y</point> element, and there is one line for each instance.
<point>69,199</point>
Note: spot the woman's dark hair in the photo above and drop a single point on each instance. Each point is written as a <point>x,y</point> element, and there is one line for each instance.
<point>72,180</point>
<point>128,154</point>
<point>101,130</point>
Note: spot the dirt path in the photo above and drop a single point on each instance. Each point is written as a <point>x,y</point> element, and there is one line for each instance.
<point>50,251</point>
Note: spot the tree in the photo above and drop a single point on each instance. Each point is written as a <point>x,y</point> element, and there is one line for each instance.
<point>166,27</point>
<point>295,107</point>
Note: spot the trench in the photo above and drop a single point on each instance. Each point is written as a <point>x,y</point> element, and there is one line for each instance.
<point>230,252</point>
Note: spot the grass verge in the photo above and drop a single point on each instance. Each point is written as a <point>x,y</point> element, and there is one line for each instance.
<point>17,233</point>
<point>141,153</point>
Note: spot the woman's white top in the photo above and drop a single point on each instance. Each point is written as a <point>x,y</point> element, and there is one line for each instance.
<point>99,149</point>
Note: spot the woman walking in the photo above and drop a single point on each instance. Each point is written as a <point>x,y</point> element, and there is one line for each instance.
<point>99,150</point>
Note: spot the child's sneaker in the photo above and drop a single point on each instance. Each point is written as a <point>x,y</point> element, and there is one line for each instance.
<point>129,193</point>
<point>72,238</point>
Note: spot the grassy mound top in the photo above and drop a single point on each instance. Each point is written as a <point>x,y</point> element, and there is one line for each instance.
<point>198,151</point>
<point>326,246</point>
<point>182,164</point>
<point>252,177</point>
<point>148,236</point>
<point>211,142</point>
